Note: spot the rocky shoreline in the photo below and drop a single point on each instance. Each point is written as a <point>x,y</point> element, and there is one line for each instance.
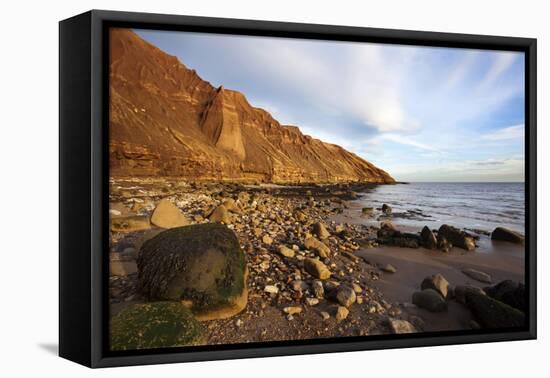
<point>304,278</point>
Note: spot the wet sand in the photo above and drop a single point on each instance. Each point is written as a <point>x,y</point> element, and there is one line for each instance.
<point>499,259</point>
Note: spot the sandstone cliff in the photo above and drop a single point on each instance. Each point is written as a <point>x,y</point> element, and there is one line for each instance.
<point>166,121</point>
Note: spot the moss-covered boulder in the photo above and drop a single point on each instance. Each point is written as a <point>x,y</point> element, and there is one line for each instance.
<point>200,265</point>
<point>154,325</point>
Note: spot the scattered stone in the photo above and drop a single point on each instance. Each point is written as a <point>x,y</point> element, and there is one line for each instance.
<point>272,289</point>
<point>436,282</point>
<point>292,310</point>
<point>325,315</point>
<point>386,231</point>
<point>316,268</point>
<point>458,238</point>
<point>428,238</point>
<point>319,247</point>
<point>122,268</point>
<point>312,301</point>
<point>285,251</point>
<point>504,234</point>
<point>220,215</point>
<point>389,268</point>
<point>386,209</point>
<point>299,286</point>
<point>318,289</point>
<point>320,230</point>
<point>401,326</point>
<point>356,288</point>
<point>266,239</point>
<point>130,223</point>
<point>491,313</point>
<point>477,275</point>
<point>341,313</point>
<point>231,205</point>
<point>154,325</point>
<point>367,211</point>
<point>167,215</point>
<point>509,292</point>
<point>443,244</point>
<point>239,323</point>
<point>430,300</point>
<point>345,295</point>
<point>201,264</point>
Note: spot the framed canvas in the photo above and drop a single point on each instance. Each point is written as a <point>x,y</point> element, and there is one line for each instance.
<point>234,188</point>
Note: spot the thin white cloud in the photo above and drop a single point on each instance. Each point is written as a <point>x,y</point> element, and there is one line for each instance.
<point>506,133</point>
<point>408,141</point>
<point>502,62</point>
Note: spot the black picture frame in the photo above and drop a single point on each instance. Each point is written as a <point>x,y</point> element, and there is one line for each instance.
<point>83,181</point>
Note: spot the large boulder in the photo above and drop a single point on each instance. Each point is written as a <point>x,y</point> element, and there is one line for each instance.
<point>201,265</point>
<point>387,234</point>
<point>154,325</point>
<point>430,300</point>
<point>456,237</point>
<point>345,295</point>
<point>320,248</point>
<point>504,234</point>
<point>492,313</point>
<point>509,292</point>
<point>436,282</point>
<point>461,290</point>
<point>167,215</point>
<point>428,238</point>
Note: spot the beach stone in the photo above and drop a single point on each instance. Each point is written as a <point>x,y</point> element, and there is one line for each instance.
<point>316,268</point>
<point>509,292</point>
<point>292,310</point>
<point>325,315</point>
<point>430,300</point>
<point>300,216</point>
<point>167,215</point>
<point>457,237</point>
<point>319,247</point>
<point>504,234</point>
<point>401,326</point>
<point>285,251</point>
<point>130,223</point>
<point>220,215</point>
<point>443,244</point>
<point>345,295</point>
<point>154,325</point>
<point>491,313</point>
<point>386,209</point>
<point>356,288</point>
<point>341,313</point>
<point>266,239</point>
<point>320,230</point>
<point>436,282</point>
<point>271,289</point>
<point>386,231</point>
<point>428,238</point>
<point>201,265</point>
<point>122,268</point>
<point>299,285</point>
<point>477,275</point>
<point>367,211</point>
<point>461,290</point>
<point>389,268</point>
<point>312,301</point>
<point>318,289</point>
<point>231,205</point>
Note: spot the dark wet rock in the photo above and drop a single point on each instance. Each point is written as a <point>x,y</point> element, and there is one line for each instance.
<point>318,289</point>
<point>458,238</point>
<point>509,292</point>
<point>316,268</point>
<point>461,290</point>
<point>504,234</point>
<point>320,230</point>
<point>320,248</point>
<point>387,234</point>
<point>477,275</point>
<point>167,215</point>
<point>436,282</point>
<point>428,239</point>
<point>202,265</point>
<point>491,313</point>
<point>401,326</point>
<point>367,211</point>
<point>154,325</point>
<point>430,300</point>
<point>443,244</point>
<point>386,209</point>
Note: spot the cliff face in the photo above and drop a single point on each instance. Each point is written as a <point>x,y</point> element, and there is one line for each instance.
<point>166,121</point>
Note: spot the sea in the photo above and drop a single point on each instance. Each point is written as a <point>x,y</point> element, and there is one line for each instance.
<point>479,206</point>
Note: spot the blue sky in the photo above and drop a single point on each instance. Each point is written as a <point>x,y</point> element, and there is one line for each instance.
<point>420,113</point>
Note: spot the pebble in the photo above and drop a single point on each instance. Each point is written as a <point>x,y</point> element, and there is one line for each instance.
<point>341,313</point>
<point>271,289</point>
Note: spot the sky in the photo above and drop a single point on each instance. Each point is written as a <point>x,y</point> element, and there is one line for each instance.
<point>420,113</point>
